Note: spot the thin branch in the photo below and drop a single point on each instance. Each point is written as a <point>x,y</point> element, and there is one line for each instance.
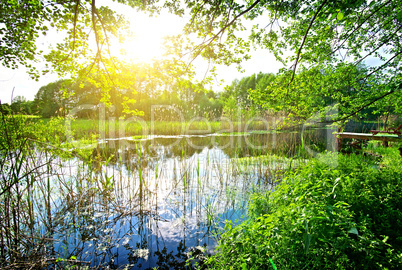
<point>383,65</point>
<point>203,46</point>
<point>106,38</point>
<point>379,46</point>
<point>213,15</point>
<point>75,21</point>
<point>197,11</point>
<point>365,106</point>
<point>98,52</point>
<point>93,9</point>
<point>358,27</point>
<point>74,30</point>
<point>304,40</point>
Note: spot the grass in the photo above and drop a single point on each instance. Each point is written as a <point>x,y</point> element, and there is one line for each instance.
<point>84,128</point>
<point>323,217</point>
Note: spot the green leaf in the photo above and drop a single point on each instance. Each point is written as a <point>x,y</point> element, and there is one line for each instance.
<point>272,263</point>
<point>339,16</point>
<point>354,231</point>
<point>399,16</point>
<point>307,242</point>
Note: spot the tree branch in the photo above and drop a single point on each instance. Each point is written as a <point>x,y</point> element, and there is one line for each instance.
<point>202,46</point>
<point>74,29</point>
<point>304,40</point>
<point>365,106</point>
<point>358,27</point>
<point>379,46</point>
<point>93,10</point>
<point>383,65</point>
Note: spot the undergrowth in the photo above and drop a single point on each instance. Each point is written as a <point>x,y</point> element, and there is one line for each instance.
<point>320,216</point>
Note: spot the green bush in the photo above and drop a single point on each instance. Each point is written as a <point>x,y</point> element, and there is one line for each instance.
<point>344,217</point>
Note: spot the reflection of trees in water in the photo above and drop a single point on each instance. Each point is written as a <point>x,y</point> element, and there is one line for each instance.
<point>96,230</point>
<point>146,153</point>
<point>147,208</point>
<point>133,217</point>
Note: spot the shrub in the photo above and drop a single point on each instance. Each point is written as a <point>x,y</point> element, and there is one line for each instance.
<point>348,217</point>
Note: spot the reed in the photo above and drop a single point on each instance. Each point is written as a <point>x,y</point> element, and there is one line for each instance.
<point>78,206</point>
<point>112,128</point>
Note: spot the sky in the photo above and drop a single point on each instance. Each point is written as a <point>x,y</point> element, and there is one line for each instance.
<point>148,36</point>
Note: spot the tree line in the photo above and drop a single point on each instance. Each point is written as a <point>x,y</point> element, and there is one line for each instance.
<point>255,95</point>
<point>61,97</point>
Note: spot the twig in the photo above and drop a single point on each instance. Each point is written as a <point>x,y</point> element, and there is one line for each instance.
<point>304,40</point>
<point>203,45</point>
<point>379,46</point>
<point>360,25</point>
<point>74,30</point>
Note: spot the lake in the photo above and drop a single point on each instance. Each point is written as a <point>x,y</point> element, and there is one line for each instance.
<point>154,201</point>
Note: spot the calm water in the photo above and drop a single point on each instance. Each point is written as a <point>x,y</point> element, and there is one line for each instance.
<point>152,202</point>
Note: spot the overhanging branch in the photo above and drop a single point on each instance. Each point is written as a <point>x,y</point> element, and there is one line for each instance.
<point>202,46</point>
<point>366,105</point>
<point>304,40</point>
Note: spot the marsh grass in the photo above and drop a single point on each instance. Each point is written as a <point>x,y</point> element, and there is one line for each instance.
<point>85,128</point>
<point>75,203</point>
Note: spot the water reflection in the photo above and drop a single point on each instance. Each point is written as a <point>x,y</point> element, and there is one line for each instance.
<point>152,202</point>
<point>156,147</point>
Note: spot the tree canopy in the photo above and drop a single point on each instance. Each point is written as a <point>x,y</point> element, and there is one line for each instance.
<point>321,43</point>
<point>325,46</point>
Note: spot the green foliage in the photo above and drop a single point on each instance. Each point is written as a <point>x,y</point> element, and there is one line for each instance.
<point>5,109</point>
<point>51,99</point>
<point>20,105</point>
<point>321,44</point>
<point>344,217</point>
<point>238,95</point>
<point>23,22</point>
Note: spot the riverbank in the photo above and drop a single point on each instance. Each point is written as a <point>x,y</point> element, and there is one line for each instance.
<point>339,212</point>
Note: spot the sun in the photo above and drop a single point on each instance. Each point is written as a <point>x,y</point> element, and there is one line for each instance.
<point>141,49</point>
<point>146,42</point>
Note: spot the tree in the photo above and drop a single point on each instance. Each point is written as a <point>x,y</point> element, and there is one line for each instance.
<point>320,34</point>
<point>52,99</point>
<point>20,105</point>
<point>317,33</point>
<point>244,90</point>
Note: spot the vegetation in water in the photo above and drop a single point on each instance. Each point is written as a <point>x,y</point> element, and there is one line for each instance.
<point>76,199</point>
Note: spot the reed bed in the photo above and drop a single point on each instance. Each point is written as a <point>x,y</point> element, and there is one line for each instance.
<point>119,203</point>
<point>112,128</point>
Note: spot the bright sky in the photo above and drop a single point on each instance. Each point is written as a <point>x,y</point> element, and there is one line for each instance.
<point>148,36</point>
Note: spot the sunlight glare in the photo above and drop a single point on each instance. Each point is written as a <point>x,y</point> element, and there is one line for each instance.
<point>146,44</point>
<point>142,48</point>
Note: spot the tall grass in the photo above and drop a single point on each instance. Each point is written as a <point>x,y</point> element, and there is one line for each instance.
<point>63,206</point>
<point>20,168</point>
<point>84,128</point>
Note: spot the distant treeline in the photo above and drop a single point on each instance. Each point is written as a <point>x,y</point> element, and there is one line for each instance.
<point>256,95</point>
<point>65,97</point>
